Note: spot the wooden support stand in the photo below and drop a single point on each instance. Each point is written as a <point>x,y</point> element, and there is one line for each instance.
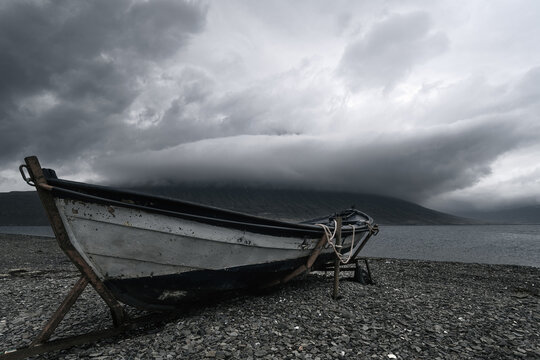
<point>67,342</point>
<point>302,268</point>
<point>335,293</point>
<point>62,310</point>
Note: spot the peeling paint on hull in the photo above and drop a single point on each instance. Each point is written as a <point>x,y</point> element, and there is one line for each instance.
<point>144,258</point>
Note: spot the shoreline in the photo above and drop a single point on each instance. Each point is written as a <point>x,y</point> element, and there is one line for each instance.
<point>417,309</point>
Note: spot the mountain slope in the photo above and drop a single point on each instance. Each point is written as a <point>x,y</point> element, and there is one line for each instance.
<point>300,205</point>
<point>21,208</point>
<point>518,215</point>
<point>24,208</point>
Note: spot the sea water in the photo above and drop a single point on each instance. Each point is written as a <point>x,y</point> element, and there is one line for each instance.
<point>490,244</point>
<point>27,230</point>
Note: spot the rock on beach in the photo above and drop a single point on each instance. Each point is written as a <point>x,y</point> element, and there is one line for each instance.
<point>417,309</point>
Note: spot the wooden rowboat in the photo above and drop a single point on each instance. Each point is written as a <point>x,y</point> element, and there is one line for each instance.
<point>148,251</point>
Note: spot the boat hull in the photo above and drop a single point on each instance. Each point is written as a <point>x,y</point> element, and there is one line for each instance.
<point>149,251</point>
<point>151,260</point>
<point>166,291</point>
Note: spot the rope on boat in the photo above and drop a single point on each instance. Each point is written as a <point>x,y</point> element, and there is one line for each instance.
<point>337,248</point>
<point>373,229</point>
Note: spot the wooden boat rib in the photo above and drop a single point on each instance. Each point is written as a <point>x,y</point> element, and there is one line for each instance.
<point>148,251</point>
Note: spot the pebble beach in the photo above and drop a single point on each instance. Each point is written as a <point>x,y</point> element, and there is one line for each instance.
<point>416,310</point>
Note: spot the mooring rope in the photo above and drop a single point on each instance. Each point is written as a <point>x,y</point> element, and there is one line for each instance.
<point>328,232</point>
<point>330,237</point>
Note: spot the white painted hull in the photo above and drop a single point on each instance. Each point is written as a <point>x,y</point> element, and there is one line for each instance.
<point>125,243</point>
<point>148,251</point>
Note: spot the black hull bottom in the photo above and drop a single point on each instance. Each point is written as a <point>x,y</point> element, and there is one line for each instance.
<point>166,292</point>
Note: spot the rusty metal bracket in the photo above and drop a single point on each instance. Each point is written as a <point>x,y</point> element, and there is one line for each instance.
<point>28,179</point>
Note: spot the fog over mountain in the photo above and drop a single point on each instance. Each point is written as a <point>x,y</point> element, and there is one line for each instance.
<point>432,102</point>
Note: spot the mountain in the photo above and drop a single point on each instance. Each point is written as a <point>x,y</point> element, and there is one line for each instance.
<point>21,208</point>
<point>24,208</point>
<point>517,215</point>
<point>298,205</point>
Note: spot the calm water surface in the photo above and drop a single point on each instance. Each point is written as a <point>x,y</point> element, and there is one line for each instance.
<point>27,230</point>
<point>491,244</point>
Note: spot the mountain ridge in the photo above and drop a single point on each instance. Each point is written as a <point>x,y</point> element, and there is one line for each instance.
<point>23,208</point>
<point>515,215</point>
<point>299,205</point>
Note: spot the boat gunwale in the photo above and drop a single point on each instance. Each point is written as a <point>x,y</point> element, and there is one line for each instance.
<point>264,226</point>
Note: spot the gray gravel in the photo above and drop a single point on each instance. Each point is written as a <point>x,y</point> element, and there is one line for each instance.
<point>417,309</point>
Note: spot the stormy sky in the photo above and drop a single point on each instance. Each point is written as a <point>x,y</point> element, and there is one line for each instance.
<point>433,102</point>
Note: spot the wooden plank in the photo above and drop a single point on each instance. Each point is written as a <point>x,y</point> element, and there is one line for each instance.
<point>62,310</point>
<point>66,343</point>
<point>315,254</point>
<point>335,293</point>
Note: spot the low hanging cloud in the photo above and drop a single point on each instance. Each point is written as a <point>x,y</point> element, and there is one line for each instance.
<point>409,166</point>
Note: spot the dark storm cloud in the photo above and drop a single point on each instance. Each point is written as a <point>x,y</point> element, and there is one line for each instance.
<point>390,49</point>
<point>70,68</point>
